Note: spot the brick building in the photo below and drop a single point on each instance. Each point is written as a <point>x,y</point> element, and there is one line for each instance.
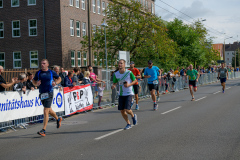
<point>31,30</point>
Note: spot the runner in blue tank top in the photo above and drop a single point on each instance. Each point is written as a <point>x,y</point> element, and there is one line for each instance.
<point>152,73</point>
<point>44,79</point>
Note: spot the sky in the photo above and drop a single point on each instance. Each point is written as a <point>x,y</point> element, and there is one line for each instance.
<point>222,16</point>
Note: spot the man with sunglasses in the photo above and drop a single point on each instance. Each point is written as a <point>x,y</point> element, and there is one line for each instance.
<point>152,73</point>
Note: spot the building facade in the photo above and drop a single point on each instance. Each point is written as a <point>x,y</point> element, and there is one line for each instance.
<point>31,30</point>
<point>230,52</point>
<point>219,48</point>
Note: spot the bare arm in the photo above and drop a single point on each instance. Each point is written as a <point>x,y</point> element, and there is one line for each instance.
<point>130,84</point>
<point>14,80</point>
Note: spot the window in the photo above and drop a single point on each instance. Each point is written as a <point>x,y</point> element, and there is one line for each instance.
<point>73,58</point>
<point>17,62</point>
<point>78,28</point>
<point>32,25</point>
<point>31,2</point>
<point>85,58</point>
<point>103,8</point>
<point>1,3</point>
<point>147,5</point>
<point>15,3</point>
<point>83,5</point>
<point>94,6</point>
<point>71,27</point>
<point>79,58</point>
<point>71,3</point>
<point>2,59</point>
<point>33,59</point>
<point>94,29</point>
<point>77,3</point>
<point>99,6</point>
<point>107,7</point>
<point>1,30</point>
<point>152,8</point>
<point>15,28</point>
<point>83,29</point>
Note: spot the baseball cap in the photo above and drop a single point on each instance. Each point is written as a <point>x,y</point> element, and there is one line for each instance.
<point>150,61</point>
<point>132,62</point>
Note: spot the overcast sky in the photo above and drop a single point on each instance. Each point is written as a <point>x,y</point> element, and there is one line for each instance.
<point>222,16</point>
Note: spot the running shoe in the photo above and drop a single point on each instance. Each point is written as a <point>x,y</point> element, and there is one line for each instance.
<point>132,103</point>
<point>100,108</point>
<point>158,98</point>
<point>166,91</point>
<point>193,99</point>
<point>128,127</point>
<point>59,122</point>
<point>134,119</point>
<point>155,107</point>
<point>42,132</point>
<point>137,107</point>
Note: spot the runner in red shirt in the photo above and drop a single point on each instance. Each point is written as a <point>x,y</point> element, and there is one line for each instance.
<point>137,74</point>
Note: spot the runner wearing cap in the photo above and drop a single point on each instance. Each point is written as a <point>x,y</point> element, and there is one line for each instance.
<point>137,75</point>
<point>152,72</point>
<point>193,77</point>
<point>223,75</point>
<point>126,79</point>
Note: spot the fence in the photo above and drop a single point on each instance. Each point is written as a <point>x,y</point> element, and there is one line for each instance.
<point>110,97</point>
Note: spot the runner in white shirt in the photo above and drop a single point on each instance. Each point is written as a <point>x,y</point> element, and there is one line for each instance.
<point>126,80</point>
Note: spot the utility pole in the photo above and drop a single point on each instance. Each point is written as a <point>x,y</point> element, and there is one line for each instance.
<point>89,33</point>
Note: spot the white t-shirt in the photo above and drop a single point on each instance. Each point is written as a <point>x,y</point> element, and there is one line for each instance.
<point>100,91</point>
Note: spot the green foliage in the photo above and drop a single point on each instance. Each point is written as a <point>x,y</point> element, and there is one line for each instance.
<point>132,28</point>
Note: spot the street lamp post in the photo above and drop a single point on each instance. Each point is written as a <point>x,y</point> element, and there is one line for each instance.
<point>105,25</point>
<point>224,49</point>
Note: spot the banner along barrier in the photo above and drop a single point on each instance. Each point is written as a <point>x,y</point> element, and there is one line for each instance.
<point>78,99</point>
<point>16,105</point>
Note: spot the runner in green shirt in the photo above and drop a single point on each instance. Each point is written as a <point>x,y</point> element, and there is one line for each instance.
<point>193,77</point>
<point>126,80</point>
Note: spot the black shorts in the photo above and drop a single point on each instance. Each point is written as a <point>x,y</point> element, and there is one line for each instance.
<point>47,102</point>
<point>135,88</point>
<point>124,102</point>
<point>152,86</point>
<point>193,83</point>
<point>223,80</point>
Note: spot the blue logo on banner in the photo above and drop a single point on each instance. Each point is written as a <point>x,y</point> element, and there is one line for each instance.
<point>59,100</point>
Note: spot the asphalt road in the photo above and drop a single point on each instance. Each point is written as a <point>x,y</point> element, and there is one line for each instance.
<point>207,129</point>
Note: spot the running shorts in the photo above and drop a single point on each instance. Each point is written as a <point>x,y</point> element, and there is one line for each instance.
<point>223,80</point>
<point>152,86</point>
<point>135,88</point>
<point>47,102</point>
<point>124,102</point>
<point>193,83</point>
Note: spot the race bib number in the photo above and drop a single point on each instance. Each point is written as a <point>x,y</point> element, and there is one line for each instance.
<point>222,71</point>
<point>121,83</point>
<point>155,82</point>
<point>44,96</point>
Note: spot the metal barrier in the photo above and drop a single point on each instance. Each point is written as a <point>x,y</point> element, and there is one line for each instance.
<point>110,97</point>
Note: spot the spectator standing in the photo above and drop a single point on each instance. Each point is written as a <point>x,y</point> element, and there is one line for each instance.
<point>100,93</point>
<point>44,79</point>
<point>80,76</point>
<point>94,79</point>
<point>21,85</point>
<point>176,72</point>
<point>29,84</point>
<point>137,75</point>
<point>3,83</point>
<point>68,81</point>
<point>75,77</point>
<point>62,74</point>
<point>86,79</point>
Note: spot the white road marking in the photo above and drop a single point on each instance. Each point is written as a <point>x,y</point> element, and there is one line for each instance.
<point>171,110</point>
<point>228,88</point>
<point>109,134</point>
<point>217,92</point>
<point>201,98</point>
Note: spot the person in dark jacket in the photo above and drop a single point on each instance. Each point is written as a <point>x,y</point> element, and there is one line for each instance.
<point>62,74</point>
<point>75,76</point>
<point>80,76</point>
<point>21,85</point>
<point>29,84</point>
<point>68,81</point>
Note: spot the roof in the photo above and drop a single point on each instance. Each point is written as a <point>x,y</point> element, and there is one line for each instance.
<point>232,47</point>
